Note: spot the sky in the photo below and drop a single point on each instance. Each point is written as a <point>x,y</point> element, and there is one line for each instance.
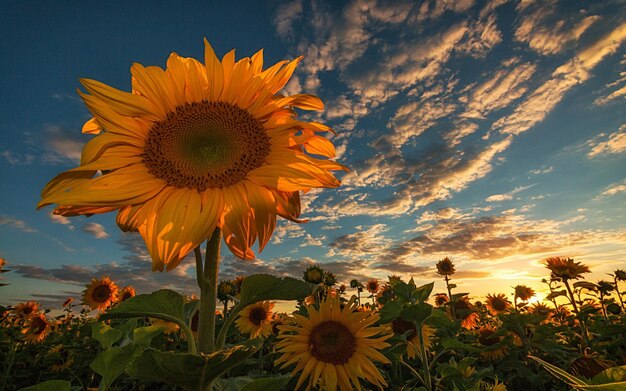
<point>490,132</point>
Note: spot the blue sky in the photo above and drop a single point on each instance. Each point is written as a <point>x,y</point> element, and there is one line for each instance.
<point>490,132</point>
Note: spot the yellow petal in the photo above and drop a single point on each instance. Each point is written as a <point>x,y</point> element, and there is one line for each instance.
<point>92,127</point>
<point>214,72</point>
<point>123,103</point>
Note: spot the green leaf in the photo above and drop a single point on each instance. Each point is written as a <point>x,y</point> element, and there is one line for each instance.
<point>424,291</point>
<point>190,371</point>
<point>417,312</point>
<point>267,383</point>
<point>111,363</point>
<point>457,296</point>
<point>560,373</point>
<point>143,335</point>
<point>610,375</point>
<point>260,287</point>
<point>105,334</point>
<point>163,304</point>
<point>453,343</point>
<point>556,294</point>
<point>390,312</point>
<point>50,385</point>
<point>585,285</point>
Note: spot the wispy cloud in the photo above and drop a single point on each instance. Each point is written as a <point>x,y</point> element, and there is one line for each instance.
<point>96,230</point>
<point>61,220</point>
<point>15,223</point>
<point>604,144</point>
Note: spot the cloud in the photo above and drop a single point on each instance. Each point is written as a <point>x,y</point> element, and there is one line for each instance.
<point>286,16</point>
<point>576,71</point>
<point>96,230</point>
<point>363,243</point>
<point>58,219</point>
<point>15,223</point>
<point>615,95</point>
<point>62,144</point>
<point>16,159</point>
<point>507,196</point>
<point>614,144</point>
<point>500,90</point>
<point>613,189</point>
<point>542,170</point>
<point>548,30</point>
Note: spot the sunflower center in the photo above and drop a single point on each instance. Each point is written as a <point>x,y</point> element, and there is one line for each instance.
<point>332,342</point>
<point>498,304</point>
<point>488,338</point>
<point>257,316</point>
<point>401,326</point>
<point>205,145</point>
<point>38,325</point>
<point>101,293</point>
<point>28,310</point>
<point>126,296</point>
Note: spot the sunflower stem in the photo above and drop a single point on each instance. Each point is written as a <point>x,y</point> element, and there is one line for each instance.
<point>221,338</point>
<point>207,281</point>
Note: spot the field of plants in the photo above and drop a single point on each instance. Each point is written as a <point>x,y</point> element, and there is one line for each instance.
<point>389,335</point>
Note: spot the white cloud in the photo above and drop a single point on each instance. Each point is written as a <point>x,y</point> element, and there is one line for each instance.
<point>287,14</point>
<point>61,220</point>
<point>96,230</point>
<point>615,144</point>
<point>14,223</point>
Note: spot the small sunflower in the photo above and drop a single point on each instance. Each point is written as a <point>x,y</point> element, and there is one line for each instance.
<point>605,287</point>
<point>314,274</point>
<point>497,304</point>
<point>564,269</point>
<point>441,299</point>
<point>342,288</point>
<point>466,313</point>
<point>372,286</point>
<point>256,319</point>
<point>330,279</point>
<point>490,343</point>
<point>68,302</point>
<point>401,326</point>
<point>26,310</point>
<point>61,359</point>
<point>543,310</point>
<point>195,147</point>
<point>394,280</point>
<point>100,294</point>
<point>225,289</point>
<point>334,346</point>
<point>620,275</point>
<point>445,267</point>
<point>37,330</point>
<point>385,294</point>
<point>524,292</point>
<point>126,293</point>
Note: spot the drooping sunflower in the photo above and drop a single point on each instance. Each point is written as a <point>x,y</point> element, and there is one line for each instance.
<point>490,343</point>
<point>372,286</point>
<point>313,274</point>
<point>497,303</point>
<point>524,292</point>
<point>256,319</point>
<point>100,294</point>
<point>563,269</point>
<point>194,147</point>
<point>334,346</point>
<point>401,326</point>
<point>445,267</point>
<point>441,299</point>
<point>225,290</point>
<point>26,310</point>
<point>465,312</point>
<point>620,275</point>
<point>126,293</point>
<point>37,330</point>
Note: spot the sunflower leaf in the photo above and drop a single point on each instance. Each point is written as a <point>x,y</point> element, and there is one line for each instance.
<point>260,287</point>
<point>267,383</point>
<point>189,371</point>
<point>105,334</point>
<point>390,312</point>
<point>111,363</point>
<point>163,304</point>
<point>453,343</point>
<point>424,291</point>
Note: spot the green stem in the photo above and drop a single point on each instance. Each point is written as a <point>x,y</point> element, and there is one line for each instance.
<point>207,281</point>
<point>619,295</point>
<point>424,354</point>
<point>221,337</point>
<point>579,315</point>
<point>450,297</point>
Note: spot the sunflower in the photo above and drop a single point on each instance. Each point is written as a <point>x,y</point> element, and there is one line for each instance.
<point>61,359</point>
<point>564,269</point>
<point>330,279</point>
<point>256,319</point>
<point>372,286</point>
<point>38,328</point>
<point>441,299</point>
<point>490,344</point>
<point>334,346</point>
<point>445,267</point>
<point>543,310</point>
<point>314,274</point>
<point>401,326</point>
<point>126,293</point>
<point>620,275</point>
<point>26,310</point>
<point>524,292</point>
<point>194,147</point>
<point>100,294</point>
<point>225,290</point>
<point>497,304</point>
<point>466,313</point>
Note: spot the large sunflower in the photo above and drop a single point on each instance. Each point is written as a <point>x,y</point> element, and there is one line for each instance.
<point>100,294</point>
<point>37,330</point>
<point>26,310</point>
<point>256,319</point>
<point>497,303</point>
<point>194,147</point>
<point>334,346</point>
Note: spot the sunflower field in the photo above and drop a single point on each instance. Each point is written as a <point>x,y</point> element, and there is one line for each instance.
<point>392,335</point>
<point>212,151</point>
